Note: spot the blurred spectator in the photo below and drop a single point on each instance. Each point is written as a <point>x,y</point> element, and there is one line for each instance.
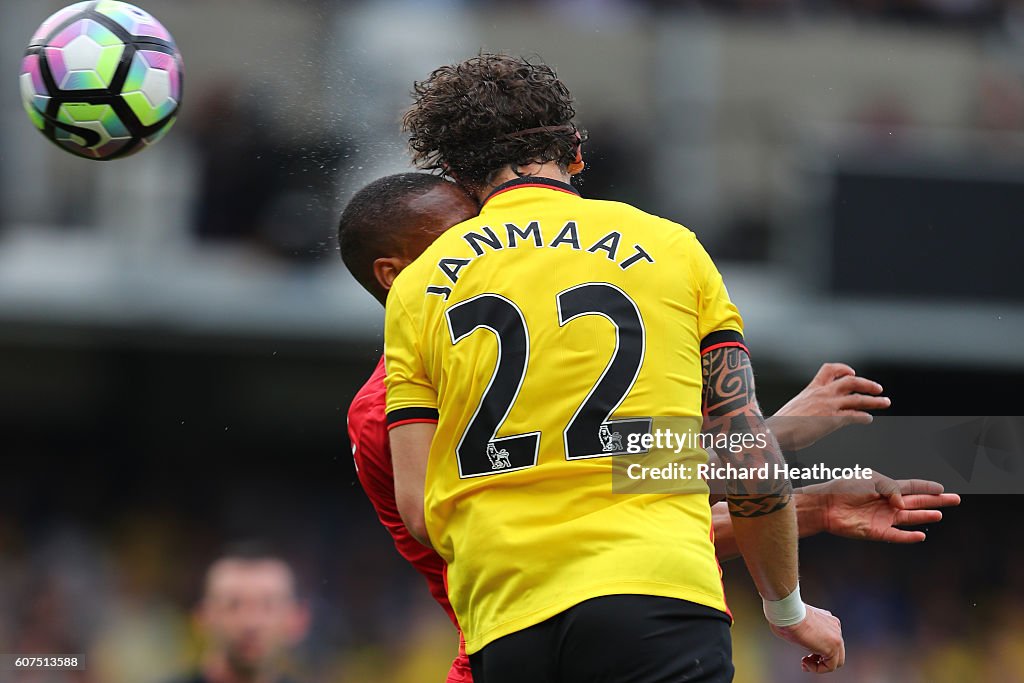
<point>239,169</point>
<point>263,182</point>
<point>251,614</point>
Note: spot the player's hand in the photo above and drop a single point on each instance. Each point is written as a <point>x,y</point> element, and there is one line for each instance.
<point>837,397</point>
<point>822,634</point>
<point>873,509</point>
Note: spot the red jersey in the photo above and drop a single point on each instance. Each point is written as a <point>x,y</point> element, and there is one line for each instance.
<point>371,451</point>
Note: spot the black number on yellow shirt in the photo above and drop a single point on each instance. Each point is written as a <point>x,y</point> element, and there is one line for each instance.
<point>478,451</point>
<point>590,433</point>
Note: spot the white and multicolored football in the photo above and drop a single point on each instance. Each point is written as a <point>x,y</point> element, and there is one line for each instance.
<point>102,79</point>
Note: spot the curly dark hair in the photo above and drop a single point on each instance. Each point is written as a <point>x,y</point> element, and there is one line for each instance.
<point>473,118</point>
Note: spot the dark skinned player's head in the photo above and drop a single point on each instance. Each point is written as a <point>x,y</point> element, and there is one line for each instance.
<point>391,221</point>
<point>491,112</point>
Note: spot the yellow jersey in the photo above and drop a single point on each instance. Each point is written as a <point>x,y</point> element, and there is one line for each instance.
<point>542,335</point>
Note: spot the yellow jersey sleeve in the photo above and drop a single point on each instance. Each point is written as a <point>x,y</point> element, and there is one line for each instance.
<point>718,319</point>
<point>410,395</point>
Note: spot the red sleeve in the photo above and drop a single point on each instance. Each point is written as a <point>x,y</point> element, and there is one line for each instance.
<point>368,432</point>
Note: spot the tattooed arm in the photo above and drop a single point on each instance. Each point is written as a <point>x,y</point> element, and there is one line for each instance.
<point>762,513</point>
<point>763,520</point>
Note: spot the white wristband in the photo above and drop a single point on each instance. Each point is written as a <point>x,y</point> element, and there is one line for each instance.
<point>788,611</point>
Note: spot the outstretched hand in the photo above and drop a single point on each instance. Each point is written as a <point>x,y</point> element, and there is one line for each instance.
<point>873,509</point>
<point>836,397</point>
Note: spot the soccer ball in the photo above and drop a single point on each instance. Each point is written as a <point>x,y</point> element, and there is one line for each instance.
<point>102,79</point>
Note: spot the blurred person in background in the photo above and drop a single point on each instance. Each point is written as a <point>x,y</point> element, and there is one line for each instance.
<point>251,616</point>
<point>238,171</point>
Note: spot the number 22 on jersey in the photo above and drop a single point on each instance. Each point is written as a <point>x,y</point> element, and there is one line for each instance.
<point>590,433</point>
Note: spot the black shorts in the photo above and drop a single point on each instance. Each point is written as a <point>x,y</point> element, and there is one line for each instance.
<point>614,639</point>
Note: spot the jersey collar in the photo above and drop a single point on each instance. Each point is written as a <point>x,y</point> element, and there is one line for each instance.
<point>531,181</point>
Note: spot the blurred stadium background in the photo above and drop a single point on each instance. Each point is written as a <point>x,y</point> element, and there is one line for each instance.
<point>179,339</point>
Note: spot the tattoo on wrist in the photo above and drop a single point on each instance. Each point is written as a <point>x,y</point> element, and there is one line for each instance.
<point>757,506</point>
